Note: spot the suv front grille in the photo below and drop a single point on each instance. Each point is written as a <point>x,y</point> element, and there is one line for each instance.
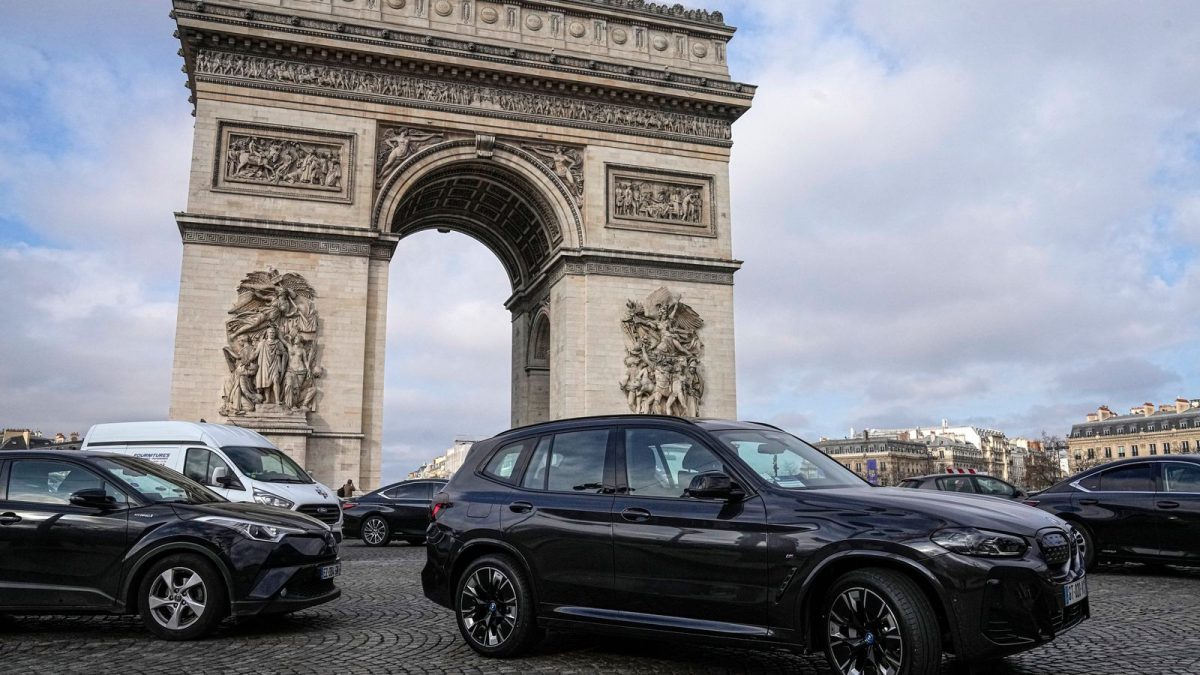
<point>326,513</point>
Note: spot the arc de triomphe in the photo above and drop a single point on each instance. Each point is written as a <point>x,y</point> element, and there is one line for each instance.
<point>585,142</point>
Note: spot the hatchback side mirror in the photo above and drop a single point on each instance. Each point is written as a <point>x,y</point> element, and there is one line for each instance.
<point>714,485</point>
<point>93,498</point>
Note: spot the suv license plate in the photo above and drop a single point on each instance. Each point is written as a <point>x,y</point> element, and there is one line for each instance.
<point>1074,592</point>
<point>330,571</point>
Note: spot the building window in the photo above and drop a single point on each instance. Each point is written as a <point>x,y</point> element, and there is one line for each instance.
<point>1133,451</point>
<point>1091,453</point>
<point>882,467</point>
<point>1091,432</point>
<point>1183,447</point>
<point>858,467</point>
<point>1153,449</point>
<point>1078,455</point>
<point>1120,451</point>
<point>1166,448</point>
<point>1108,453</point>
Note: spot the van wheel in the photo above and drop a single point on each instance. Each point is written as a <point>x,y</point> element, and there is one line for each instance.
<point>375,532</point>
<point>879,621</point>
<point>494,607</point>
<point>182,597</point>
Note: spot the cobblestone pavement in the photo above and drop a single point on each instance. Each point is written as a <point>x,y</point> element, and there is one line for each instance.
<point>1143,622</point>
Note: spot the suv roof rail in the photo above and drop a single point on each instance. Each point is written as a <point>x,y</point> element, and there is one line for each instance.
<point>629,416</point>
<point>771,426</point>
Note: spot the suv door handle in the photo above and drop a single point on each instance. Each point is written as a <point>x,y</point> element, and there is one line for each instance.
<point>9,518</point>
<point>1168,505</point>
<point>1089,502</point>
<point>520,507</point>
<point>635,515</point>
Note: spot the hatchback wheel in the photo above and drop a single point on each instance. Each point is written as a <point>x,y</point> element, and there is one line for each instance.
<point>878,622</point>
<point>375,531</point>
<point>495,607</point>
<point>182,597</point>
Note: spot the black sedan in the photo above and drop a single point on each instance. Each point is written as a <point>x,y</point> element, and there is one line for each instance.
<point>94,533</point>
<point>396,511</point>
<point>965,483</point>
<point>1140,509</point>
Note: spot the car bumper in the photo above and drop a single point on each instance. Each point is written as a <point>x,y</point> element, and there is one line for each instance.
<point>288,589</point>
<point>997,608</point>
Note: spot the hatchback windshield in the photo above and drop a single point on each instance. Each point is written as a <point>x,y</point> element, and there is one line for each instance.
<point>266,464</point>
<point>157,483</point>
<point>787,461</point>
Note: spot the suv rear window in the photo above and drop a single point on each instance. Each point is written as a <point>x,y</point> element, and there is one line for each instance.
<point>504,462</point>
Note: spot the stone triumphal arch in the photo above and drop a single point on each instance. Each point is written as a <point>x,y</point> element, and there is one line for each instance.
<point>585,142</point>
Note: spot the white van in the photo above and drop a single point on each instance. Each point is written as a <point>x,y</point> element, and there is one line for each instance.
<point>239,464</point>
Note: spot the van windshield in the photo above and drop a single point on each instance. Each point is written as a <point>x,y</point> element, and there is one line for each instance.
<point>266,464</point>
<point>787,461</point>
<point>157,483</point>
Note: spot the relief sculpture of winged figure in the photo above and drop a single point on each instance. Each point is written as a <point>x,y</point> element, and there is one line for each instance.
<point>663,352</point>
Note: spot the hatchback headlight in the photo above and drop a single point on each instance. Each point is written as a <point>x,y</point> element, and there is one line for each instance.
<point>272,499</point>
<point>970,541</point>
<point>252,530</point>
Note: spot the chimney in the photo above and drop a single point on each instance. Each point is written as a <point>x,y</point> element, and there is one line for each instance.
<point>1104,413</point>
<point>1092,417</point>
<point>1182,404</point>
<point>1166,408</point>
<point>1147,408</point>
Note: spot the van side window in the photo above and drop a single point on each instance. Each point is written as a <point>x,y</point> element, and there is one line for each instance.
<point>200,463</point>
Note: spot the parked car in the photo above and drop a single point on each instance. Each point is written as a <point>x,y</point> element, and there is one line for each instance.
<point>1139,509</point>
<point>965,483</point>
<point>396,511</point>
<point>239,464</point>
<point>93,533</point>
<point>737,531</point>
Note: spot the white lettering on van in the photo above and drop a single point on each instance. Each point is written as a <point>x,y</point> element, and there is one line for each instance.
<point>156,457</point>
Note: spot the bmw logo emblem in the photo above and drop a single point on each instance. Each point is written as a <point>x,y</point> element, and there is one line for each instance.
<point>869,639</point>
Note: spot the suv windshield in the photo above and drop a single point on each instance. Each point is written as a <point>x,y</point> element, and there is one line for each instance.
<point>266,464</point>
<point>787,461</point>
<point>157,483</point>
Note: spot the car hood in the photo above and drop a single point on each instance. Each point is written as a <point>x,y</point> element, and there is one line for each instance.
<point>945,509</point>
<point>267,515</point>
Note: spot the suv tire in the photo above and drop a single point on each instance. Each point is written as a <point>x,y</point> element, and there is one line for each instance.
<point>182,597</point>
<point>494,607</point>
<point>881,618</point>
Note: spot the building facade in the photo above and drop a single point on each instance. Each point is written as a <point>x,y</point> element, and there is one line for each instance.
<point>445,465</point>
<point>997,451</point>
<point>1148,430</point>
<point>882,461</point>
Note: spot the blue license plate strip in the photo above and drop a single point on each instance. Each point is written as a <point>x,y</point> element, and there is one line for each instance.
<point>330,571</point>
<point>1074,592</point>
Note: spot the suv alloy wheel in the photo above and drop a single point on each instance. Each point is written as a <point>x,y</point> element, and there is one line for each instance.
<point>182,597</point>
<point>495,607</point>
<point>880,622</point>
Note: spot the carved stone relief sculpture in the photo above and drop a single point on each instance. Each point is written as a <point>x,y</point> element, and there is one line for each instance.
<point>567,164</point>
<point>660,201</point>
<point>271,349</point>
<point>397,144</point>
<point>283,162</point>
<point>664,374</point>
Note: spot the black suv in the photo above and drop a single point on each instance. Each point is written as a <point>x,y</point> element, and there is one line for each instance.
<point>96,533</point>
<point>738,531</point>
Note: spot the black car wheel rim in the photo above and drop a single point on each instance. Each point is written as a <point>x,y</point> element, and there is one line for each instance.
<point>864,636</point>
<point>488,607</point>
<point>374,531</point>
<point>177,598</point>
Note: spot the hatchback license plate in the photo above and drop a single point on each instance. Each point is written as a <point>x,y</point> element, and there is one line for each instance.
<point>330,571</point>
<point>1074,592</point>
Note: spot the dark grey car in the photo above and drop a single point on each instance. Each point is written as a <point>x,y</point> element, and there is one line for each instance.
<point>965,483</point>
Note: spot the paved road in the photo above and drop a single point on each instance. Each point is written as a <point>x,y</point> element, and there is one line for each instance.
<point>1142,623</point>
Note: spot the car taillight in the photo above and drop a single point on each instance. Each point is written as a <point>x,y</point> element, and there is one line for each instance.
<point>349,505</point>
<point>440,503</point>
<point>1032,502</point>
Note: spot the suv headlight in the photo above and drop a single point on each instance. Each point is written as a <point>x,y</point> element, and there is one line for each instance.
<point>272,499</point>
<point>252,530</point>
<point>970,541</point>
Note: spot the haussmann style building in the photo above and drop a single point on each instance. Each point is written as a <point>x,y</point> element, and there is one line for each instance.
<point>1148,430</point>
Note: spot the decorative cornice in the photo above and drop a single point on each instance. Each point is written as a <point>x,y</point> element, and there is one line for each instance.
<point>282,236</point>
<point>674,12</point>
<point>422,42</point>
<point>276,74</point>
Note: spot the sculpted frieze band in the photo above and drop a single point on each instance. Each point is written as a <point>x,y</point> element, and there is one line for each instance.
<point>474,99</point>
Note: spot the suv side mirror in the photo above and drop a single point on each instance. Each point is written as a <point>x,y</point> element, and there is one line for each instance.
<point>1020,494</point>
<point>93,498</point>
<point>714,485</point>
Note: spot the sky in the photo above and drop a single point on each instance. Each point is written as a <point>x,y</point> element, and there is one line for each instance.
<point>984,212</point>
